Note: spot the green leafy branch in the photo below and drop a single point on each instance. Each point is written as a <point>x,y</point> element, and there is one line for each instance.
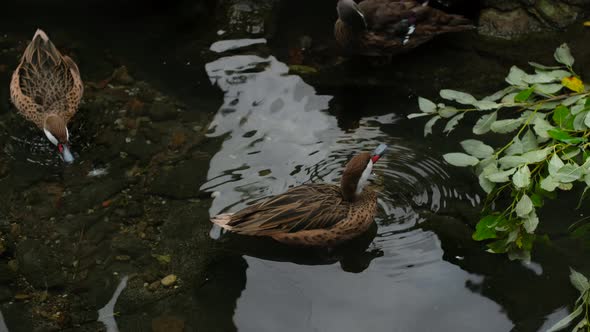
<point>582,305</point>
<point>547,153</point>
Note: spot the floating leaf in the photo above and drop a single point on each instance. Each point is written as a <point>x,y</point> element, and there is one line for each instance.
<point>428,126</point>
<point>524,95</point>
<point>524,206</point>
<point>426,105</point>
<point>529,141</point>
<point>522,177</point>
<point>458,96</point>
<point>531,222</point>
<point>558,74</point>
<point>587,119</point>
<point>562,136</point>
<point>509,98</point>
<point>477,148</point>
<point>484,124</point>
<point>453,123</point>
<point>506,126</point>
<point>515,148</point>
<point>548,89</point>
<point>563,55</point>
<point>567,320</point>
<point>573,83</point>
<point>500,177</point>
<point>539,77</point>
<point>549,105</point>
<point>447,111</point>
<point>579,281</point>
<point>417,115</point>
<point>460,159</point>
<point>571,152</point>
<point>486,228</point>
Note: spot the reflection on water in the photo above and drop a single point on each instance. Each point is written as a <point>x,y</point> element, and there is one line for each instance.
<point>277,134</point>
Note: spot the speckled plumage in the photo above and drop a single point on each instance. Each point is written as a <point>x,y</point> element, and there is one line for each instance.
<point>46,87</point>
<point>393,26</point>
<point>319,215</point>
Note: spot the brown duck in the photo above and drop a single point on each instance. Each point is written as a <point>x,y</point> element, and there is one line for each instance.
<point>319,215</point>
<point>388,27</point>
<point>46,89</point>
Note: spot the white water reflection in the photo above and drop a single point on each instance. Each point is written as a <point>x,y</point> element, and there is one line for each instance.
<point>106,314</point>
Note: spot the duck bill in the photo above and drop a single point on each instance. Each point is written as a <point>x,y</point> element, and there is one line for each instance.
<point>378,153</point>
<point>66,154</point>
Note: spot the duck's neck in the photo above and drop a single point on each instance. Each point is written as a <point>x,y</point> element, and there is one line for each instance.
<point>352,186</point>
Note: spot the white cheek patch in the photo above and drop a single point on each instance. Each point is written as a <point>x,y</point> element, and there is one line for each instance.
<point>364,180</point>
<point>50,136</point>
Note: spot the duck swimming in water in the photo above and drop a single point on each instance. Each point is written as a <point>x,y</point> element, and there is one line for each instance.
<point>389,27</point>
<point>46,89</point>
<point>318,215</point>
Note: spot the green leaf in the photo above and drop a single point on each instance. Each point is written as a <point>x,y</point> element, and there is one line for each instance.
<point>516,76</point>
<point>499,94</point>
<point>484,124</point>
<point>567,320</point>
<point>458,96</point>
<point>539,77</point>
<point>500,177</point>
<point>426,105</point>
<point>555,164</point>
<point>512,161</point>
<point>428,126</point>
<point>524,95</point>
<point>522,177</point>
<point>448,111</point>
<point>563,55</point>
<point>486,228</point>
<point>531,221</point>
<point>484,105</point>
<point>453,123</point>
<point>460,159</point>
<point>498,247</point>
<point>573,99</point>
<point>559,74</point>
<point>537,155</point>
<point>560,115</point>
<point>548,89</point>
<point>580,121</point>
<point>529,141</point>
<point>549,183</point>
<point>485,184</point>
<point>577,109</point>
<point>477,148</point>
<point>509,98</point>
<point>569,173</point>
<point>540,66</point>
<point>506,126</point>
<point>417,115</point>
<point>562,136</point>
<point>537,200</point>
<point>579,281</point>
<point>524,206</point>
<point>571,152</point>
<point>587,119</point>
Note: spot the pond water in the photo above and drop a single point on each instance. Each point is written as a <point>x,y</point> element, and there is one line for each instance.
<point>198,132</point>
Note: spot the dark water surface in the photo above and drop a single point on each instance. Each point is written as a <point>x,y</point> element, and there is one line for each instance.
<point>218,131</point>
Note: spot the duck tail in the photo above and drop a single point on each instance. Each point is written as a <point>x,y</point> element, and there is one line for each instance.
<point>222,220</point>
<point>41,50</point>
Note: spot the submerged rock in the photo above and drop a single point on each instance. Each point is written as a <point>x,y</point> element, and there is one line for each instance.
<point>38,265</point>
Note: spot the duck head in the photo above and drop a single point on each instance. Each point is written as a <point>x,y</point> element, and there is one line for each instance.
<point>56,131</point>
<point>351,15</point>
<point>357,172</point>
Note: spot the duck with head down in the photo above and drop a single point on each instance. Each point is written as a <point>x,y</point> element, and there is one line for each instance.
<point>319,215</point>
<point>46,89</point>
<point>389,27</point>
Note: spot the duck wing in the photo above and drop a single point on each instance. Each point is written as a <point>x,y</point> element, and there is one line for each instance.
<point>46,81</point>
<point>406,24</point>
<point>306,207</point>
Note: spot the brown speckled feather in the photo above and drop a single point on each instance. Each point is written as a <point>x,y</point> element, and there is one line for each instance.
<point>306,207</point>
<point>385,32</point>
<point>45,82</point>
